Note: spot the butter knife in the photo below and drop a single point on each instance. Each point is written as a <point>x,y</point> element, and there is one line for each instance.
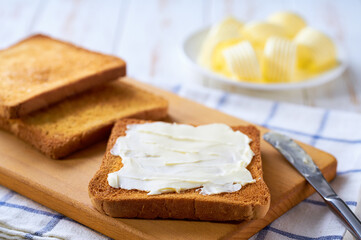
<point>307,168</point>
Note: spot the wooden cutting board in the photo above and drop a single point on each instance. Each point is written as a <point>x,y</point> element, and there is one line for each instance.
<point>62,184</point>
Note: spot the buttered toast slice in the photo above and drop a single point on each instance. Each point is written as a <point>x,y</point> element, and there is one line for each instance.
<point>250,202</point>
<point>81,120</point>
<point>39,71</point>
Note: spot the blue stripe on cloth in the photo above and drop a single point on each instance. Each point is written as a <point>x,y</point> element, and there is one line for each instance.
<point>176,88</point>
<point>48,227</point>
<point>222,100</point>
<point>320,203</point>
<point>349,171</point>
<point>357,141</point>
<point>7,196</point>
<point>262,234</point>
<point>300,237</point>
<point>320,128</point>
<point>271,114</point>
<point>29,236</point>
<point>32,210</point>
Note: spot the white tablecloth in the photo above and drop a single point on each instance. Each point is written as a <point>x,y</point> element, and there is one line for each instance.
<point>336,132</point>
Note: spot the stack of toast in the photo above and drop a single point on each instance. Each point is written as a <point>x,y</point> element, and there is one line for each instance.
<point>61,98</point>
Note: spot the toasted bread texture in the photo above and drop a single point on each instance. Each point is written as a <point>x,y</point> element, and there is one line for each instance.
<point>39,71</point>
<point>81,120</point>
<point>250,202</point>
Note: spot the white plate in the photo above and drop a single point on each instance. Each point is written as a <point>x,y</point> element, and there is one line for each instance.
<point>191,49</point>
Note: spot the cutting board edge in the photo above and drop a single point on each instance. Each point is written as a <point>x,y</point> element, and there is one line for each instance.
<point>13,181</point>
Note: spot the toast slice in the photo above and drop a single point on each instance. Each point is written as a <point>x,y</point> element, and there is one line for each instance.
<point>81,120</point>
<point>39,71</point>
<point>250,202</point>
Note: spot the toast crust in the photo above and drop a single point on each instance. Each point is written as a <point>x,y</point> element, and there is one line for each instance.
<point>251,202</point>
<point>84,119</point>
<point>46,87</point>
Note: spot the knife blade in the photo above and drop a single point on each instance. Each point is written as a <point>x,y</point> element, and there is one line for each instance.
<point>308,169</point>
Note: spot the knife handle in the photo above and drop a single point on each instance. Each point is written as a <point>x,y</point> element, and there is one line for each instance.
<point>339,207</point>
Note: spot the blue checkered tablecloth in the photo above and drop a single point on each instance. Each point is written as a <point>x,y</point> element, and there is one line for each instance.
<point>336,132</point>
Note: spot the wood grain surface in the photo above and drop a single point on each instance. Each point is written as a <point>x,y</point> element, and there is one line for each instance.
<point>62,184</point>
